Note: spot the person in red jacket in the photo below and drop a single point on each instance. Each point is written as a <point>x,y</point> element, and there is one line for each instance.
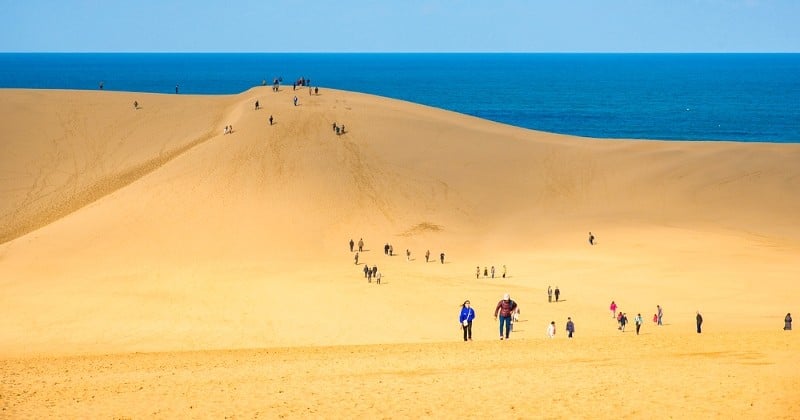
<point>505,308</point>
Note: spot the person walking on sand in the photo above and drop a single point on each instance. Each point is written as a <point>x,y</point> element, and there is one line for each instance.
<point>477,272</point>
<point>570,327</point>
<point>505,308</point>
<point>352,244</point>
<point>465,318</point>
<point>787,322</point>
<point>591,239</point>
<point>295,101</point>
<point>660,313</point>
<point>638,321</point>
<point>613,309</point>
<point>504,271</point>
<point>366,271</point>
<point>270,120</point>
<point>623,322</point>
<point>699,319</point>
<point>361,245</point>
<point>549,294</point>
<point>551,329</point>
<point>256,105</point>
<point>386,249</point>
<point>485,272</point>
<point>427,255</point>
<point>408,255</point>
<point>441,257</point>
<point>619,320</point>
<point>378,278</point>
<point>558,293</point>
<point>492,271</point>
<point>135,104</point>
<point>391,250</point>
<point>356,258</point>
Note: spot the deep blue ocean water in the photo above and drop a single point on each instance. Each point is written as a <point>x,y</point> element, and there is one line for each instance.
<point>740,97</point>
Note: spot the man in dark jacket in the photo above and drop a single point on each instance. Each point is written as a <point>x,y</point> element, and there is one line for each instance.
<point>505,308</point>
<point>699,321</point>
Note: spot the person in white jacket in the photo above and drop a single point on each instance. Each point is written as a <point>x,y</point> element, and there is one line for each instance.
<point>551,329</point>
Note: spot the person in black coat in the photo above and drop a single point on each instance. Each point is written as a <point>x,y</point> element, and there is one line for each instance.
<point>787,322</point>
<point>699,321</point>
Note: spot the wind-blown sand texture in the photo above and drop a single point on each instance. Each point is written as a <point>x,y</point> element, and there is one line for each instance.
<point>153,267</point>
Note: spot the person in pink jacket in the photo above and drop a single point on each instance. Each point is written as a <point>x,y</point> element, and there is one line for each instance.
<point>613,309</point>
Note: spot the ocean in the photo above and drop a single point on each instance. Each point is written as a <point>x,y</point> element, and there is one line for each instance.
<point>736,97</point>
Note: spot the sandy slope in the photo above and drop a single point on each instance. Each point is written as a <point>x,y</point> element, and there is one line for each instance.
<point>150,231</point>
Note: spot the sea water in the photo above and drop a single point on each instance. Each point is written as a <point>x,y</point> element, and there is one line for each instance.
<point>738,97</point>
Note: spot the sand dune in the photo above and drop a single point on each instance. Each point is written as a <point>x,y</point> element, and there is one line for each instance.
<point>149,230</point>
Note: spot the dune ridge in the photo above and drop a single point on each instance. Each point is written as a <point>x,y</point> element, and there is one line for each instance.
<point>138,238</point>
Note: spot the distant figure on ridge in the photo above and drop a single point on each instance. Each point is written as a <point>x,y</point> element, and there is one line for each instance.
<point>591,239</point>
<point>256,105</point>
<point>787,322</point>
<point>270,120</point>
<point>441,257</point>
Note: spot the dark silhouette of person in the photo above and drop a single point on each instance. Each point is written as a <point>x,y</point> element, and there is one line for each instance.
<point>557,293</point>
<point>441,257</point>
<point>787,322</point>
<point>591,239</point>
<point>352,244</point>
<point>699,321</point>
<point>256,104</point>
<point>270,120</point>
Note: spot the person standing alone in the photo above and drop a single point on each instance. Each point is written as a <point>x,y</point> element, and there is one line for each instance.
<point>465,318</point>
<point>699,321</point>
<point>570,327</point>
<point>787,322</point>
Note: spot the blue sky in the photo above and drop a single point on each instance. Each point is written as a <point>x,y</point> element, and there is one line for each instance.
<point>400,26</point>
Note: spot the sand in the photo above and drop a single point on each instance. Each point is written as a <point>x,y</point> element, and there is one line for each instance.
<point>153,267</point>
